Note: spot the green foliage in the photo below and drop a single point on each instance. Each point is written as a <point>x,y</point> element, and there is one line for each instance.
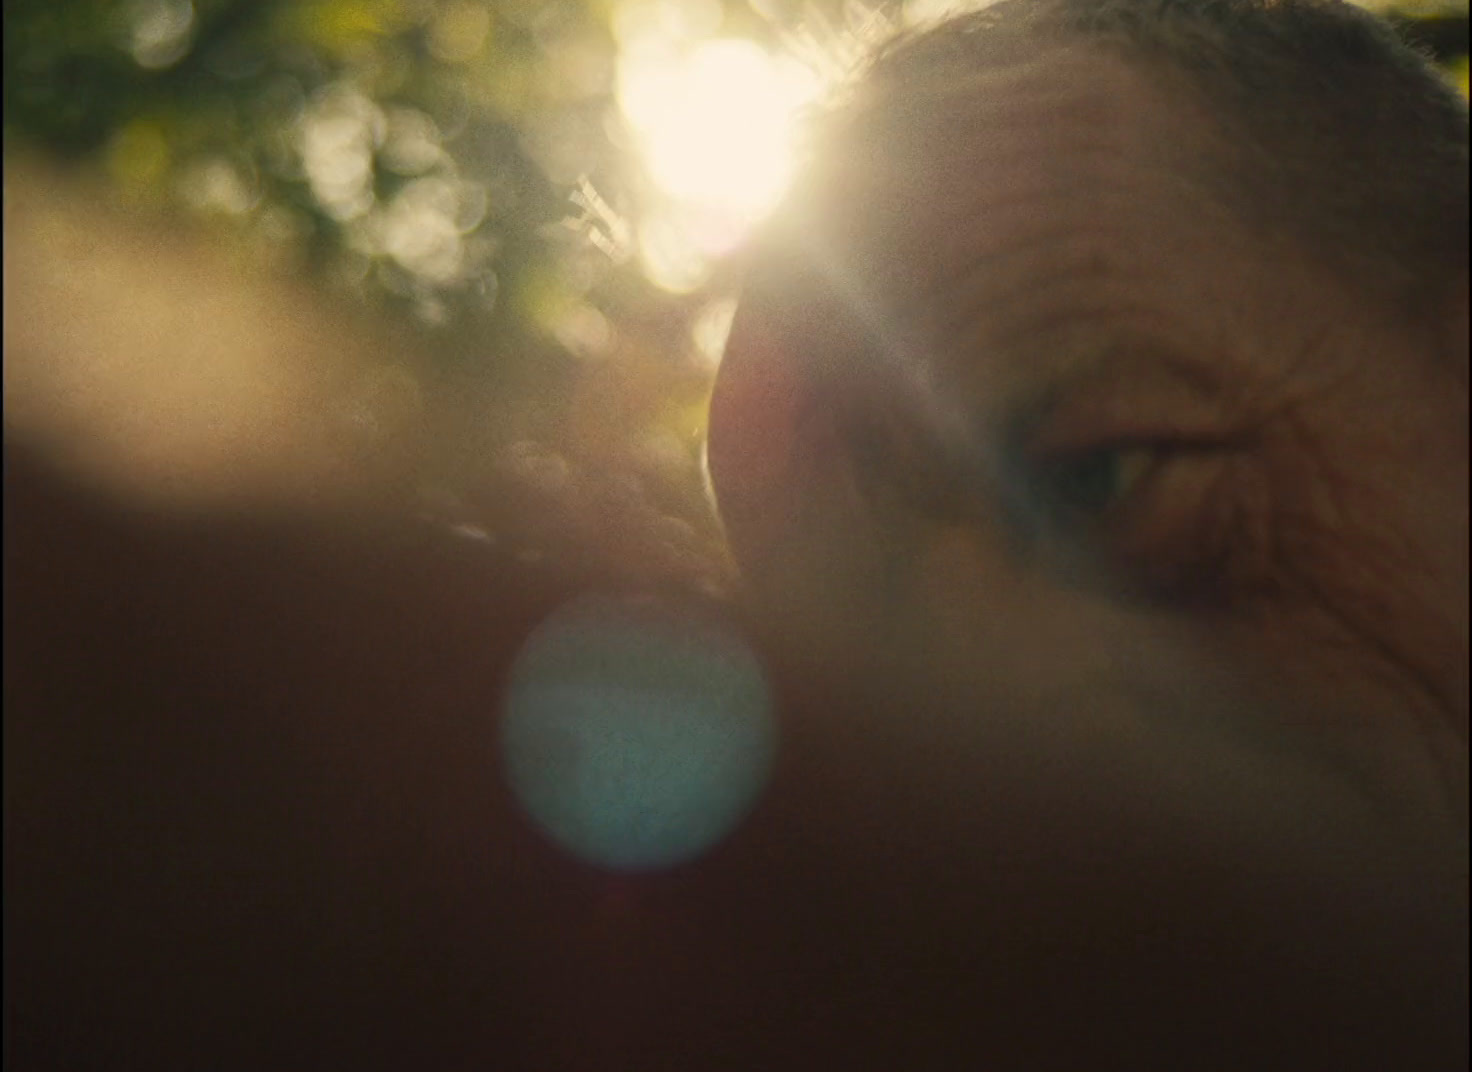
<point>394,145</point>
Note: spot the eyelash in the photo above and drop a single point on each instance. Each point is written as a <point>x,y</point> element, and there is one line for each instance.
<point>1031,495</point>
<point>911,470</point>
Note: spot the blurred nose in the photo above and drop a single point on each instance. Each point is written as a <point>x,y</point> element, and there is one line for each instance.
<point>807,545</point>
<point>757,407</point>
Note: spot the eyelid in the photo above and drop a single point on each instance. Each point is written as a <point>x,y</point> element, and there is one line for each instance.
<point>1075,425</point>
<point>1138,394</point>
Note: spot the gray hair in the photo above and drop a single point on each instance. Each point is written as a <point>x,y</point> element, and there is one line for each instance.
<point>1333,131</point>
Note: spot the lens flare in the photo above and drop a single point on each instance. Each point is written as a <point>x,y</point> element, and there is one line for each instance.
<point>636,735</point>
<point>715,124</point>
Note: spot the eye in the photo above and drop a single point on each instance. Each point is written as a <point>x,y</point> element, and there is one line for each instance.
<point>1085,486</point>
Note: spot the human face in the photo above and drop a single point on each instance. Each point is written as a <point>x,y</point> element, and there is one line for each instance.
<point>1019,817</point>
<point>1031,423</point>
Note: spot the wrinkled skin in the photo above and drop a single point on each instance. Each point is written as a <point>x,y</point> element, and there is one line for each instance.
<point>1037,806</point>
<point>1300,518</point>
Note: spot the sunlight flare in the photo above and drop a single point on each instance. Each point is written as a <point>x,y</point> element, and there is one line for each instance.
<point>715,124</point>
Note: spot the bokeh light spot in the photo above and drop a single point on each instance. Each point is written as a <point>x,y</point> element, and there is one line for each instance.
<point>459,32</point>
<point>160,32</point>
<point>636,735</point>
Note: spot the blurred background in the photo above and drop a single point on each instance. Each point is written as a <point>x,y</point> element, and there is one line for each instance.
<point>474,259</point>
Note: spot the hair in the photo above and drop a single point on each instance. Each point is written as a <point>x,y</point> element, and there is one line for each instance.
<point>1331,129</point>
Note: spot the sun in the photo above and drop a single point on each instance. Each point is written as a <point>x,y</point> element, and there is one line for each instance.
<point>715,125</point>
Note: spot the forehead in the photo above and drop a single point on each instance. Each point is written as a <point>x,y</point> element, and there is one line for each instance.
<point>1051,200</point>
<point>933,164</point>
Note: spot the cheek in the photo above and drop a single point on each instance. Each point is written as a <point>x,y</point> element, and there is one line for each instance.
<point>1335,600</point>
<point>1037,661</point>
